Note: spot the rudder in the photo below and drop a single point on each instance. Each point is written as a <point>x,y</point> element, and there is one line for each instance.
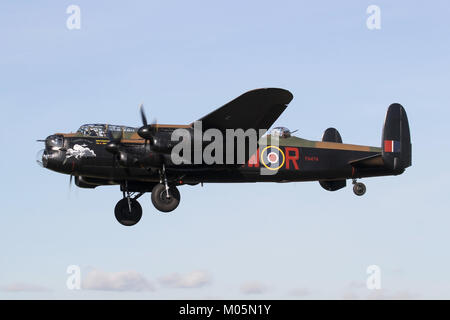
<point>396,139</point>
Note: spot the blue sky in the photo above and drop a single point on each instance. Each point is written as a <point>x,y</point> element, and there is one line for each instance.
<point>184,59</point>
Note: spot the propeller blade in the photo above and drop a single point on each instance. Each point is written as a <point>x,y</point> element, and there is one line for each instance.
<point>39,157</point>
<point>70,183</point>
<point>114,142</point>
<point>147,130</point>
<point>143,117</point>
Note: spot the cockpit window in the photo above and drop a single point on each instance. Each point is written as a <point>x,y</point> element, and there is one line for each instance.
<point>103,130</point>
<point>93,130</point>
<point>281,132</point>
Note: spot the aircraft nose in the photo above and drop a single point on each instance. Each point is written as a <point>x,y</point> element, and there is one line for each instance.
<point>52,157</point>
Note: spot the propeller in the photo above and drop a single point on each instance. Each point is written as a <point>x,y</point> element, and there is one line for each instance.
<point>113,145</point>
<point>143,117</point>
<point>40,157</point>
<point>70,182</point>
<point>114,142</point>
<point>147,131</point>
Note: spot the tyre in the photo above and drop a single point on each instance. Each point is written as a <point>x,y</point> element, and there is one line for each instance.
<point>162,201</point>
<point>123,214</point>
<point>359,188</point>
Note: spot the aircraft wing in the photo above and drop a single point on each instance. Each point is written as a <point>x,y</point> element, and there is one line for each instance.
<point>257,109</point>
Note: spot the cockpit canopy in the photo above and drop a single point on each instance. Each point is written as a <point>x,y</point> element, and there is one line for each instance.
<point>103,130</point>
<point>281,132</point>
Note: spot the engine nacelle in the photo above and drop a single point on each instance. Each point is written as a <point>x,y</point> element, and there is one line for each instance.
<point>126,159</point>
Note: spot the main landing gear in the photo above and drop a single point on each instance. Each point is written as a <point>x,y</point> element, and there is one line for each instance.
<point>359,188</point>
<point>128,211</point>
<point>165,198</point>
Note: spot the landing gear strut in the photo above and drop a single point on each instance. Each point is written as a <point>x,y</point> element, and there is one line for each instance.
<point>359,188</point>
<point>128,211</point>
<point>165,198</point>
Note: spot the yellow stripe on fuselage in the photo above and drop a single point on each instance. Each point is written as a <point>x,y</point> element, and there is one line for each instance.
<point>342,146</point>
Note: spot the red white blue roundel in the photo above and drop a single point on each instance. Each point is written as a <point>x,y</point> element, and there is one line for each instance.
<point>272,157</point>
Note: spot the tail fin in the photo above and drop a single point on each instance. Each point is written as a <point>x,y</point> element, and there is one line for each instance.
<point>396,140</point>
<point>332,135</point>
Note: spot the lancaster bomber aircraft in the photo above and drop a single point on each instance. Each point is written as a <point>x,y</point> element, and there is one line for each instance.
<point>143,160</point>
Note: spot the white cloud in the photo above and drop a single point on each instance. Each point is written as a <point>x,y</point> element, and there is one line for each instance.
<point>23,287</point>
<point>254,287</point>
<point>116,281</point>
<point>194,279</point>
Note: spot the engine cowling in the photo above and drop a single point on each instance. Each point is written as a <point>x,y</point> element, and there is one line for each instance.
<point>127,159</point>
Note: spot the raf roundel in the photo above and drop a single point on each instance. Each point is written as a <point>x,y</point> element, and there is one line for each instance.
<point>272,157</point>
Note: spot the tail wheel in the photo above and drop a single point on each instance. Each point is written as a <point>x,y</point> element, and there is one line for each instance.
<point>124,215</point>
<point>359,188</point>
<point>165,200</point>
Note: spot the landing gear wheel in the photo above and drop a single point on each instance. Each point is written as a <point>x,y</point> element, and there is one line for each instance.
<point>165,202</point>
<point>359,188</point>
<point>123,213</point>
